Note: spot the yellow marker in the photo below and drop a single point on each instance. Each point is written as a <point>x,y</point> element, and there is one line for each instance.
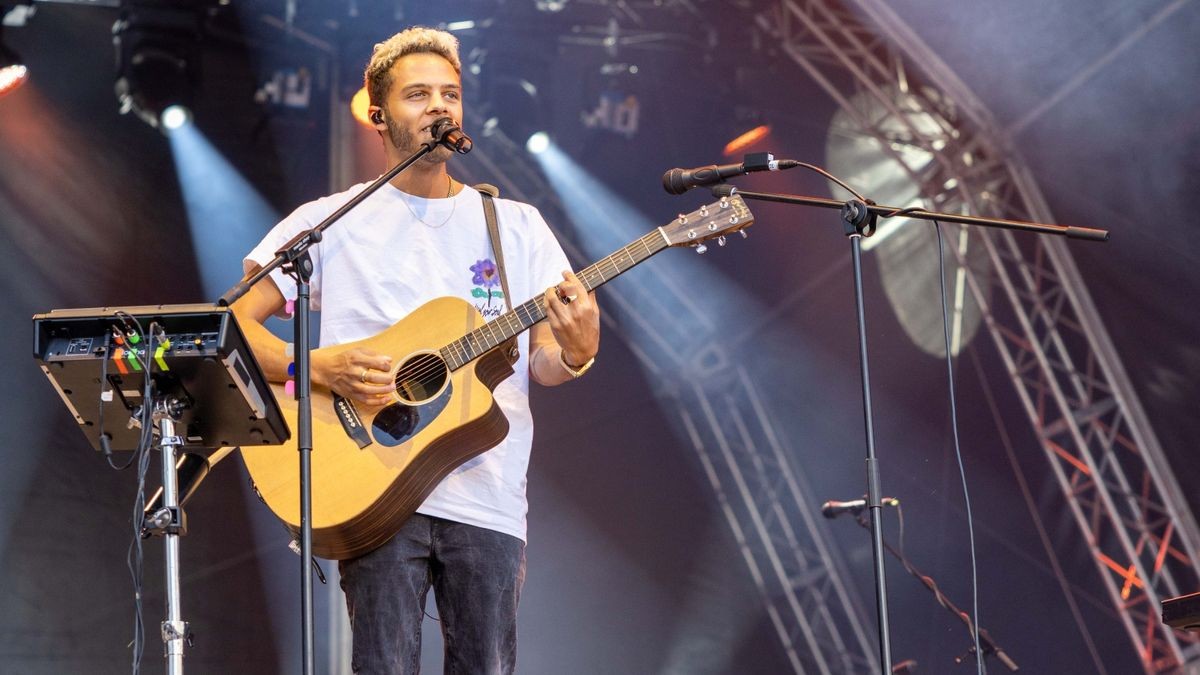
<point>158,354</point>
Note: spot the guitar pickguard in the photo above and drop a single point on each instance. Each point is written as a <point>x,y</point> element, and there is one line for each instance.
<point>399,422</point>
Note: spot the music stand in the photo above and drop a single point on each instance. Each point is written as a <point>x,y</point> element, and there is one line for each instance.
<point>207,391</point>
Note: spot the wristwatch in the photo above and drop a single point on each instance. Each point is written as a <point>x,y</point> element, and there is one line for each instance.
<point>575,371</point>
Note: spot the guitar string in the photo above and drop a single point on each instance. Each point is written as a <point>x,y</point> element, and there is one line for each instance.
<point>468,344</point>
<point>462,347</point>
<point>426,375</point>
<point>429,374</point>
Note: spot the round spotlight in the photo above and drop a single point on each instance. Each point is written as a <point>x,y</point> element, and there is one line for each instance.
<point>13,72</point>
<point>175,116</point>
<point>12,77</point>
<point>538,143</point>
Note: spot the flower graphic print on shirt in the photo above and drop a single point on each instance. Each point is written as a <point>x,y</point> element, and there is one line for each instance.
<point>486,279</point>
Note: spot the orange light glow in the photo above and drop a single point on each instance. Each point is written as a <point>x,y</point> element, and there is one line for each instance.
<point>12,77</point>
<point>747,139</point>
<point>1129,574</point>
<point>358,108</point>
<point>1069,458</point>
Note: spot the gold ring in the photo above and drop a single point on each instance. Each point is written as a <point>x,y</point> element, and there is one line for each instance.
<point>363,378</point>
<point>568,299</point>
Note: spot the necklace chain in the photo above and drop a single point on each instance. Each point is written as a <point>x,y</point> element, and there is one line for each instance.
<point>453,206</point>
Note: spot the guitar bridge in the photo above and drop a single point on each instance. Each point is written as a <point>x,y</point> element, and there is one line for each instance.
<point>351,421</point>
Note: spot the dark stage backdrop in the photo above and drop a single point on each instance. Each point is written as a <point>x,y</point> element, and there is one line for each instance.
<point>632,567</point>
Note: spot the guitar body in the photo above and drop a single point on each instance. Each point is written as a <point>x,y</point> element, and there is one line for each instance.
<point>373,469</point>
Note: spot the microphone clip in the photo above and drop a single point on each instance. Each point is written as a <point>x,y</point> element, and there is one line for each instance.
<point>759,161</point>
<point>857,218</point>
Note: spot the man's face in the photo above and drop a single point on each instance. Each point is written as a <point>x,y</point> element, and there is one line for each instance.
<point>424,88</point>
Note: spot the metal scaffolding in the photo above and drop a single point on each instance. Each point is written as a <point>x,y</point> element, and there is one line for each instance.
<point>1113,474</point>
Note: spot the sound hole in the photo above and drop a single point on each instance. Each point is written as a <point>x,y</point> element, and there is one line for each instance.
<point>421,378</point>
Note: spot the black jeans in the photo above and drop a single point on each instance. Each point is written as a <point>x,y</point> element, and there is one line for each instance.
<point>476,575</point>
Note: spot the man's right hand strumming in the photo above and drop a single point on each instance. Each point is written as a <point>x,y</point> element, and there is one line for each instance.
<point>358,374</point>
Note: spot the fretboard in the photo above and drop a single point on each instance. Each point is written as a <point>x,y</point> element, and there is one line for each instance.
<point>523,317</point>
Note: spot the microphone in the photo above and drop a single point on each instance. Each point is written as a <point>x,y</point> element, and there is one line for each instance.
<point>832,509</point>
<point>446,132</point>
<point>679,181</point>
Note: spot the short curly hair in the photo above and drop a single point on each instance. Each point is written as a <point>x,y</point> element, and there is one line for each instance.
<point>414,40</point>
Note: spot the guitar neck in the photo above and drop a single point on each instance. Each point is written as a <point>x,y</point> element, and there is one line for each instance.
<point>523,317</point>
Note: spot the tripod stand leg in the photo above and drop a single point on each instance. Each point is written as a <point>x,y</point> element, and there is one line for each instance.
<point>174,629</point>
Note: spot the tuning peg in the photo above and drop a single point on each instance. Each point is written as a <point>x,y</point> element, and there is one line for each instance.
<point>720,241</point>
<point>743,233</point>
<point>701,248</point>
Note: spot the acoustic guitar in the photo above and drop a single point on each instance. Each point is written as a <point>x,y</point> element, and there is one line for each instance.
<point>372,468</point>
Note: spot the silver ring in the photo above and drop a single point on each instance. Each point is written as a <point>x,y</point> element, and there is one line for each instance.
<point>363,378</point>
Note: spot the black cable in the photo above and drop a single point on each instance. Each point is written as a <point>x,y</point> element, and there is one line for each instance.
<point>958,450</point>
<point>953,410</point>
<point>105,387</point>
<point>134,558</point>
<point>927,581</point>
<point>903,212</point>
<point>835,179</point>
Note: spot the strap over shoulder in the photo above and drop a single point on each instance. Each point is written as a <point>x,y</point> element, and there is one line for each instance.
<point>487,189</point>
<point>487,193</point>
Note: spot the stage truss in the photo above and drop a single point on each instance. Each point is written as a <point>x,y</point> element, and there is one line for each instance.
<point>1113,475</point>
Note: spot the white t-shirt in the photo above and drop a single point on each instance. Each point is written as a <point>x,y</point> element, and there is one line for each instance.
<point>393,253</point>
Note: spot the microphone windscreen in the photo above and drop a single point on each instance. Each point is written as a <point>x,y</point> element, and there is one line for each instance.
<point>673,182</point>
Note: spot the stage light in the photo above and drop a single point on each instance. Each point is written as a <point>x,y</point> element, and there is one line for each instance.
<point>225,212</point>
<point>13,71</point>
<point>512,105</point>
<point>738,145</point>
<point>538,142</point>
<point>358,108</point>
<point>11,77</point>
<point>906,248</point>
<point>175,116</point>
<point>158,55</point>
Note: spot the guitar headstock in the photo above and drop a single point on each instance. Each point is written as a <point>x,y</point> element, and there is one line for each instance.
<point>712,221</point>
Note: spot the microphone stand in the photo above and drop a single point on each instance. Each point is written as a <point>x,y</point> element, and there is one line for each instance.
<point>987,644</point>
<point>858,221</point>
<point>296,263</point>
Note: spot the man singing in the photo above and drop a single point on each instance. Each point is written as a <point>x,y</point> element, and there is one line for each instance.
<point>423,236</point>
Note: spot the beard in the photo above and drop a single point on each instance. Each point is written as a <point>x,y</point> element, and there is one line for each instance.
<point>404,140</point>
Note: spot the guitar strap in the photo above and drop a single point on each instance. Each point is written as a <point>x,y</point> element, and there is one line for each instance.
<point>488,193</point>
